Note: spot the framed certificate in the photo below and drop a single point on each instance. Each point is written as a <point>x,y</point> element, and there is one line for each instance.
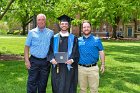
<point>61,57</point>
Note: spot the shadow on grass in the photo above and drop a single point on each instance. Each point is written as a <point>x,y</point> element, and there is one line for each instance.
<point>123,79</point>
<point>117,79</point>
<point>123,49</point>
<point>125,54</point>
<point>123,76</point>
<point>126,59</point>
<point>13,77</point>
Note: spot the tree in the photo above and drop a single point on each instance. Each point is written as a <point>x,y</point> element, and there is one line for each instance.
<point>24,10</point>
<point>135,14</point>
<point>3,9</point>
<point>72,8</point>
<point>111,11</point>
<point>97,11</point>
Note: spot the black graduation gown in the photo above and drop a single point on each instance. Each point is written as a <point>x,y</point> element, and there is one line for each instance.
<point>66,81</point>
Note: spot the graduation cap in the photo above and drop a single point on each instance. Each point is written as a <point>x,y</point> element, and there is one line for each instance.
<point>65,18</point>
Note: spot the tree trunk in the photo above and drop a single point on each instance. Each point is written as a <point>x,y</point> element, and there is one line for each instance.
<point>25,22</point>
<point>23,29</point>
<point>34,21</point>
<point>114,31</point>
<point>117,20</point>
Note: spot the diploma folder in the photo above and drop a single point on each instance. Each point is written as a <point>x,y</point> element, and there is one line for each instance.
<point>61,57</point>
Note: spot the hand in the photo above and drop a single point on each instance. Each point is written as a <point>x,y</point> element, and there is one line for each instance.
<point>69,62</point>
<point>102,69</point>
<point>27,64</point>
<point>53,61</point>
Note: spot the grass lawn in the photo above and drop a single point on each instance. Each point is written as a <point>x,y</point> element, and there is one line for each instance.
<point>122,68</point>
<point>122,73</point>
<point>12,45</point>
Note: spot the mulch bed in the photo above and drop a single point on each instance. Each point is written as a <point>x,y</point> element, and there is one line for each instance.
<point>7,57</point>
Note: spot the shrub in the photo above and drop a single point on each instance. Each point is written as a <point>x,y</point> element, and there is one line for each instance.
<point>3,28</point>
<point>3,32</point>
<point>16,32</point>
<point>9,32</point>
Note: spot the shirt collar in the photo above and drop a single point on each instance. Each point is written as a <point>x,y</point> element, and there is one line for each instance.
<point>40,30</point>
<point>64,34</point>
<point>86,37</point>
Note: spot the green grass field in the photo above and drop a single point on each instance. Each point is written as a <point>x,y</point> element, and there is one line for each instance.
<point>12,45</point>
<point>122,73</point>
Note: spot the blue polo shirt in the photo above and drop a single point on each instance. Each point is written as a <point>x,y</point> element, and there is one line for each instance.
<point>39,42</point>
<point>89,49</point>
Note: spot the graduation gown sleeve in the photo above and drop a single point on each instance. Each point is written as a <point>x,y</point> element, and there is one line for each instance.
<point>75,52</point>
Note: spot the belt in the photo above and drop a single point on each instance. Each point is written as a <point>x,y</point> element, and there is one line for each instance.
<point>88,65</point>
<point>38,58</point>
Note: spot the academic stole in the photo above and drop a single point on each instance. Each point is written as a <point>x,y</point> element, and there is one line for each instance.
<point>70,46</point>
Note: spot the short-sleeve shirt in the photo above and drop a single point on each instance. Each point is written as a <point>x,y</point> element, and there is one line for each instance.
<point>39,42</point>
<point>89,49</point>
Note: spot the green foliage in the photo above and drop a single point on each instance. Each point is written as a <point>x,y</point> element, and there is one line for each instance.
<point>13,23</point>
<point>105,10</point>
<point>73,8</point>
<point>16,32</point>
<point>135,4</point>
<point>3,28</point>
<point>22,11</point>
<point>3,32</point>
<point>2,5</point>
<point>110,11</point>
<point>76,22</point>
<point>63,7</point>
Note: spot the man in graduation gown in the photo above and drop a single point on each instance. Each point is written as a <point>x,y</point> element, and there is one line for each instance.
<point>64,75</point>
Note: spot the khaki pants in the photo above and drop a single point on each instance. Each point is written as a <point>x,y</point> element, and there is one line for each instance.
<point>88,77</point>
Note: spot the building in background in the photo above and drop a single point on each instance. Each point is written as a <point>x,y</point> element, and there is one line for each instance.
<point>123,30</point>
